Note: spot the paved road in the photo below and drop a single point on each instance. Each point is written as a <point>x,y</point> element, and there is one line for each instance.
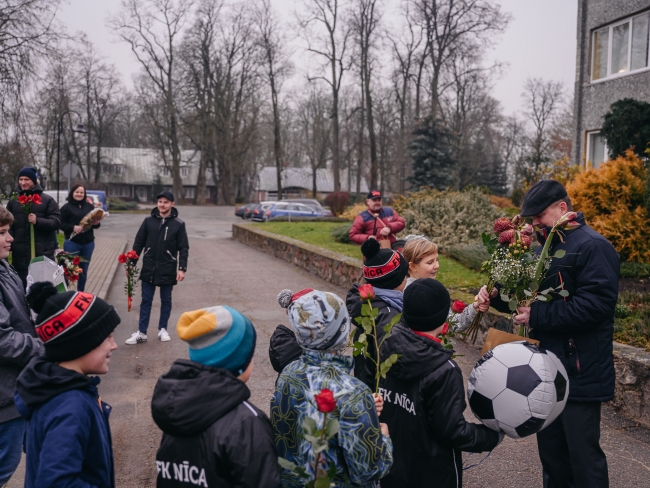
<point>222,271</point>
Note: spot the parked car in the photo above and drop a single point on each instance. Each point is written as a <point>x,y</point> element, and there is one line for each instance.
<point>258,214</point>
<point>101,195</point>
<point>292,209</point>
<point>94,200</point>
<point>311,203</point>
<point>244,211</point>
<point>63,195</point>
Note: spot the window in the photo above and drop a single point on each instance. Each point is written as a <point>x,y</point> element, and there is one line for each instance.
<point>164,171</point>
<point>596,149</point>
<point>120,191</point>
<point>189,192</point>
<point>185,171</point>
<point>620,48</point>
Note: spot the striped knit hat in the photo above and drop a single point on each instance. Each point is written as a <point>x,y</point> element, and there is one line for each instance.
<point>218,336</point>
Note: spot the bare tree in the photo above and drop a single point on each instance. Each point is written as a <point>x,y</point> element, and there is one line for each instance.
<point>315,131</point>
<point>152,28</point>
<point>275,59</point>
<point>326,35</point>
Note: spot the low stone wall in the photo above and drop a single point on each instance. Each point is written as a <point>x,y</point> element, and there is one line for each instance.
<point>632,364</point>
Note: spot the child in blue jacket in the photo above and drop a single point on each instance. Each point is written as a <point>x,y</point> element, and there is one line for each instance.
<point>68,438</point>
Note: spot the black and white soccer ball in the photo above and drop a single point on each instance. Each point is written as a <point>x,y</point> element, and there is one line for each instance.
<point>519,388</point>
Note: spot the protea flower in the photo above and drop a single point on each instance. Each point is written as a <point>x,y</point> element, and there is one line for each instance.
<point>525,240</point>
<point>502,224</point>
<point>507,237</point>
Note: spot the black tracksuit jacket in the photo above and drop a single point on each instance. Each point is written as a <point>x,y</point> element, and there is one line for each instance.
<point>163,246</point>
<point>424,401</point>
<point>211,435</point>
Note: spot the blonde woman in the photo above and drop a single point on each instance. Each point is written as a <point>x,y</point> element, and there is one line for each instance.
<point>422,256</point>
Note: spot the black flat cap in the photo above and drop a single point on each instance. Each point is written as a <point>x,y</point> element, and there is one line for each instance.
<point>540,196</point>
<point>165,194</point>
<point>373,194</point>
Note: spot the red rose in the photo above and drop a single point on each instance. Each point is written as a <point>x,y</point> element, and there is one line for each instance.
<point>122,258</point>
<point>445,328</point>
<point>325,401</point>
<point>132,254</point>
<point>76,260</point>
<point>36,199</point>
<point>366,292</point>
<point>458,306</point>
<point>22,199</point>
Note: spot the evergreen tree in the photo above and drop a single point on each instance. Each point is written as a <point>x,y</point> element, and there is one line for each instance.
<point>627,124</point>
<point>492,174</point>
<point>431,152</point>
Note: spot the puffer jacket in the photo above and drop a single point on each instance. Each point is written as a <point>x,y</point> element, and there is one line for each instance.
<point>163,246</point>
<point>68,437</point>
<point>580,328</point>
<point>360,453</point>
<point>48,221</point>
<point>424,401</point>
<point>364,368</point>
<point>365,225</point>
<point>212,436</point>
<point>18,340</point>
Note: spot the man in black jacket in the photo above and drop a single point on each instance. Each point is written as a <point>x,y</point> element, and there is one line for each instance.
<point>45,217</point>
<point>579,330</point>
<point>162,244</point>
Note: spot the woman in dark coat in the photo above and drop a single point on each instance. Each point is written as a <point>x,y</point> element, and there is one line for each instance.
<point>83,243</point>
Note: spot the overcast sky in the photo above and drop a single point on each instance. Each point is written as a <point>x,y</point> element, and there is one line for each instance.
<point>540,41</point>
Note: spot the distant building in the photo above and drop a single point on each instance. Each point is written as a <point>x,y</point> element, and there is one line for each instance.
<point>140,173</point>
<point>298,183</point>
<point>612,64</point>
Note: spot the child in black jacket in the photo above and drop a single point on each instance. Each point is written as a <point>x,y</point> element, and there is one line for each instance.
<point>424,397</point>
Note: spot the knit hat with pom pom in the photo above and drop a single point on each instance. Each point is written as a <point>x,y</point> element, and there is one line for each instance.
<point>70,324</point>
<point>383,268</point>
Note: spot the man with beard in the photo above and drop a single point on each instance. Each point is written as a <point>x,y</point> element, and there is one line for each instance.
<point>377,222</point>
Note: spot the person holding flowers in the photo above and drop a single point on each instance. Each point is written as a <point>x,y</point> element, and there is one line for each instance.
<point>318,388</point>
<point>81,244</point>
<point>36,220</point>
<point>162,244</point>
<point>578,328</point>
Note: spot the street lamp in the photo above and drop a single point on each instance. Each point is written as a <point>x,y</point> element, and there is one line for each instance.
<point>79,128</point>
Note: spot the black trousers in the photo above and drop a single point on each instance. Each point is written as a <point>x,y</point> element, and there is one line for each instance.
<point>570,450</point>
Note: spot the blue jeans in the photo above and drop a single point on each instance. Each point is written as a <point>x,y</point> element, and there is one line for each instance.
<point>12,434</point>
<point>148,291</point>
<point>83,251</point>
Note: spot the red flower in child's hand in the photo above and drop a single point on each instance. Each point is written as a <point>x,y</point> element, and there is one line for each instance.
<point>445,328</point>
<point>122,258</point>
<point>76,260</point>
<point>36,199</point>
<point>325,401</point>
<point>366,292</point>
<point>22,199</point>
<point>132,254</point>
<point>458,306</point>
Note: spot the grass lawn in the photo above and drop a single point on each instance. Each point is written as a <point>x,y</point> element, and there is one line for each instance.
<point>632,323</point>
<point>451,273</point>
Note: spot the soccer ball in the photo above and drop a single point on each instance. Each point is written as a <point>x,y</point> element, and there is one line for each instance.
<point>519,388</point>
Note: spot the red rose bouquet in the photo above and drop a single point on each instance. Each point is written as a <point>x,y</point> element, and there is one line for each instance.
<point>129,261</point>
<point>70,264</point>
<point>26,201</point>
<point>319,440</point>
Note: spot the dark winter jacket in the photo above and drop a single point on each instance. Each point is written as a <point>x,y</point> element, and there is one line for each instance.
<point>364,368</point>
<point>365,225</point>
<point>283,348</point>
<point>48,221</point>
<point>163,247</point>
<point>580,329</point>
<point>18,340</point>
<point>424,401</point>
<point>68,437</point>
<point>211,435</point>
<point>71,215</point>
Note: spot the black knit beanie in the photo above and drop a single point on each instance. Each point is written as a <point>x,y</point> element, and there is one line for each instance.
<point>426,305</point>
<point>383,268</point>
<point>70,324</point>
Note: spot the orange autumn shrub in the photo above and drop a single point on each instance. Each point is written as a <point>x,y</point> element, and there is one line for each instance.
<point>611,197</point>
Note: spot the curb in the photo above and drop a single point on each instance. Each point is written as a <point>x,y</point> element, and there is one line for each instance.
<point>111,275</point>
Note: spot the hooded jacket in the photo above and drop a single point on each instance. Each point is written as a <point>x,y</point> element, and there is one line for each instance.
<point>360,453</point>
<point>71,214</point>
<point>580,328</point>
<point>364,368</point>
<point>162,245</point>
<point>424,401</point>
<point>212,436</point>
<point>283,348</point>
<point>68,437</point>
<point>18,340</point>
<point>48,221</point>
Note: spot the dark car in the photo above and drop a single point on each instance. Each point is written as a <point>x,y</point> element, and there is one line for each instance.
<point>292,209</point>
<point>244,211</point>
<point>258,213</point>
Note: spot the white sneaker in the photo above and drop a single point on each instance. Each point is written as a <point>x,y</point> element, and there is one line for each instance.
<point>137,338</point>
<point>163,335</point>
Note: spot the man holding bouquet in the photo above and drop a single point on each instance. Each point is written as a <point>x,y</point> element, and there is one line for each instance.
<point>579,329</point>
<point>163,246</point>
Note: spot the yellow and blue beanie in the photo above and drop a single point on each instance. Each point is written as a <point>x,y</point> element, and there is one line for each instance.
<point>218,336</point>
